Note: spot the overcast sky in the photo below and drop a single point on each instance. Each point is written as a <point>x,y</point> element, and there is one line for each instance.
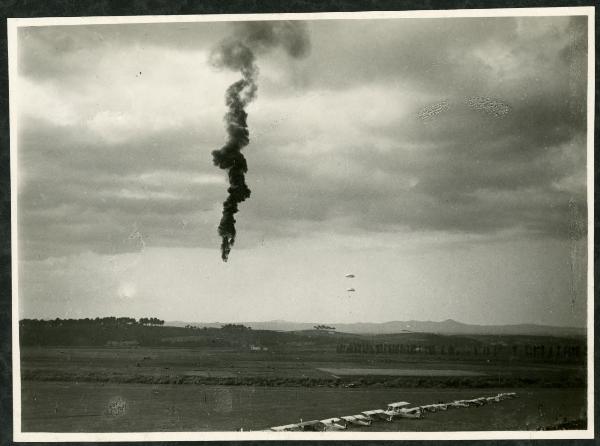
<point>442,161</point>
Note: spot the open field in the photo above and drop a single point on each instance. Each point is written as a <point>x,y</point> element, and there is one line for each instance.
<point>87,407</point>
<point>227,385</point>
<point>204,365</point>
<point>398,372</point>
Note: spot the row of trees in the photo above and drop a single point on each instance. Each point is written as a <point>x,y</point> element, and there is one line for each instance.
<point>151,321</point>
<point>103,321</point>
<point>529,351</point>
<point>235,327</point>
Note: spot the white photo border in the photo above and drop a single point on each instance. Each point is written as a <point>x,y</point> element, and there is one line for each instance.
<point>19,436</point>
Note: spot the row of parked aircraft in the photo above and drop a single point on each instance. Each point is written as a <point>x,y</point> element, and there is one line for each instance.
<point>393,411</point>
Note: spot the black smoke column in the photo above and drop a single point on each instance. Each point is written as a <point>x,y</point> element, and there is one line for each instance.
<point>230,156</point>
<point>237,54</point>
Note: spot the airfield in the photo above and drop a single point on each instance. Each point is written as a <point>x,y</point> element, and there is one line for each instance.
<point>183,379</point>
<point>89,407</point>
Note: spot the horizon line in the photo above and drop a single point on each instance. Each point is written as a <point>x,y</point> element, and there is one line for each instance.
<point>313,322</point>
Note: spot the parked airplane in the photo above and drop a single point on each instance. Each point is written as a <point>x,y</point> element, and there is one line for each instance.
<point>376,414</point>
<point>474,402</point>
<point>434,407</point>
<point>313,425</point>
<point>399,410</point>
<point>332,424</point>
<point>359,420</point>
<point>287,428</point>
<point>458,403</point>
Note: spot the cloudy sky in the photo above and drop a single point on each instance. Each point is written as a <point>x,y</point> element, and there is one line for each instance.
<point>442,161</point>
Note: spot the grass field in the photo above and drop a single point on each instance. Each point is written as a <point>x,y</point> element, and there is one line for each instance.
<point>99,389</point>
<point>215,381</point>
<point>197,365</point>
<point>93,407</point>
<point>398,372</point>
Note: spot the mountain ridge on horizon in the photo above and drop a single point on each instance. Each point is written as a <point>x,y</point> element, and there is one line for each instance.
<point>447,326</point>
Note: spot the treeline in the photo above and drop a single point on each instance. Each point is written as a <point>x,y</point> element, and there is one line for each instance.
<point>150,332</point>
<point>235,327</point>
<point>103,321</point>
<point>547,352</point>
<point>98,331</point>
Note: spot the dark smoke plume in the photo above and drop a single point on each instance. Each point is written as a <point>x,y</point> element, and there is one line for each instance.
<point>238,53</point>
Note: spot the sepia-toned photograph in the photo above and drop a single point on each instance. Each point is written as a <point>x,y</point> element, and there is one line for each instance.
<point>303,226</point>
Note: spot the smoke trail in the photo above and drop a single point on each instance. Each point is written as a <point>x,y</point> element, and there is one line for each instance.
<point>238,53</point>
<point>230,157</point>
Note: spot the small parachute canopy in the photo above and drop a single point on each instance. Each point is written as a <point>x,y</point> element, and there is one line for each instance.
<point>350,276</point>
<point>351,290</point>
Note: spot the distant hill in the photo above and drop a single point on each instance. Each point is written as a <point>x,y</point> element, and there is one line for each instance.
<point>447,327</point>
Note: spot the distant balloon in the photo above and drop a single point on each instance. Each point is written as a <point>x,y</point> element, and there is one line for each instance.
<point>351,290</point>
<point>350,276</point>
